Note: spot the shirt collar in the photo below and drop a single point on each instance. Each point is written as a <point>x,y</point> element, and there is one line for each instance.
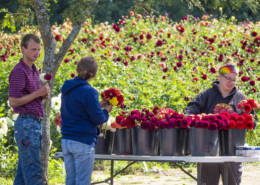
<point>22,62</point>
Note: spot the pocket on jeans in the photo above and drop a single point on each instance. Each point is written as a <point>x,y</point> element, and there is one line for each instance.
<point>82,148</point>
<point>24,154</point>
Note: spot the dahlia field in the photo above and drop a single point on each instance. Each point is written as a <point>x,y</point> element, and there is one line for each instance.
<point>151,59</point>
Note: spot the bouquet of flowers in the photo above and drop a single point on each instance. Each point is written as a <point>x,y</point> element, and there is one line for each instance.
<point>155,119</point>
<point>248,105</point>
<point>114,96</point>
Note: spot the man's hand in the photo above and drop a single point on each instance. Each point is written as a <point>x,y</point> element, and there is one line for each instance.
<point>103,104</point>
<point>44,90</point>
<point>47,96</point>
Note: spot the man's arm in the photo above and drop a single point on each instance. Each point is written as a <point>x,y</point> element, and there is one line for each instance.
<point>42,91</point>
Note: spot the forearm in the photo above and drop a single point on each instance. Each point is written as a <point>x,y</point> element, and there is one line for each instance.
<point>16,102</point>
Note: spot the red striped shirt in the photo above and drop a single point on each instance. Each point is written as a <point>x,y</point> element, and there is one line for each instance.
<point>24,80</point>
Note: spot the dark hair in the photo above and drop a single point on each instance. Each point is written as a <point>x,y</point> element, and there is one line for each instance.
<point>87,67</point>
<point>26,38</point>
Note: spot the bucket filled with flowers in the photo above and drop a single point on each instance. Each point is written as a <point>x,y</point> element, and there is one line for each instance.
<point>122,141</point>
<point>105,138</point>
<point>204,135</point>
<point>234,134</point>
<point>173,127</point>
<point>144,131</point>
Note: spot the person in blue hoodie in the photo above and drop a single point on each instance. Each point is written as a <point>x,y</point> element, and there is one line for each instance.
<point>81,113</point>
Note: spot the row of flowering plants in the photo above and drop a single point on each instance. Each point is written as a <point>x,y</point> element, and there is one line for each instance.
<point>150,58</point>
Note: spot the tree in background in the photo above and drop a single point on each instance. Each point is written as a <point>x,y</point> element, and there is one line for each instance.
<point>78,11</point>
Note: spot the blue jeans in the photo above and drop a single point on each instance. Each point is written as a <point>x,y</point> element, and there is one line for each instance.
<point>28,136</point>
<point>79,162</point>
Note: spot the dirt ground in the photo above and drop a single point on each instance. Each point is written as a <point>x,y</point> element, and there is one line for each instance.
<point>251,176</point>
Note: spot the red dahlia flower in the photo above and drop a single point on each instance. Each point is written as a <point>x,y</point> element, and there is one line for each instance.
<point>119,119</point>
<point>213,126</point>
<point>145,125</point>
<point>240,124</point>
<point>232,124</point>
<point>180,29</point>
<point>155,110</point>
<point>154,121</point>
<point>48,77</point>
<point>244,78</point>
<point>233,116</point>
<point>148,36</point>
<point>179,64</point>
<point>120,99</point>
<point>58,37</point>
<point>204,77</point>
<point>251,102</point>
<point>211,48</point>
<point>247,107</point>
<point>165,124</point>
<point>66,60</point>
<point>178,123</point>
<point>205,124</point>
<point>249,125</point>
<point>172,123</point>
<point>213,70</point>
<point>159,43</point>
<point>254,34</point>
<point>110,93</point>
<point>72,75</point>
<point>253,90</point>
<point>252,82</point>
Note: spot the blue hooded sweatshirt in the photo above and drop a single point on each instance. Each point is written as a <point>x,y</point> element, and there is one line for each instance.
<point>81,112</point>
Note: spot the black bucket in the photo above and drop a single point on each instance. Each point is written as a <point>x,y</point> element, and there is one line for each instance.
<point>204,142</point>
<point>229,139</point>
<point>104,146</point>
<point>123,142</point>
<point>173,141</point>
<point>187,146</point>
<point>145,142</point>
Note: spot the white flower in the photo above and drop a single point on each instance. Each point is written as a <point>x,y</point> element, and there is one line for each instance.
<point>3,121</point>
<point>3,124</point>
<point>42,77</point>
<point>58,129</point>
<point>113,129</point>
<point>15,116</point>
<point>8,103</point>
<point>10,122</point>
<point>2,133</point>
<point>55,103</point>
<point>106,23</point>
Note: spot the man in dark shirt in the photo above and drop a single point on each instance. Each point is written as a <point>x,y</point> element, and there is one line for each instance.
<point>25,97</point>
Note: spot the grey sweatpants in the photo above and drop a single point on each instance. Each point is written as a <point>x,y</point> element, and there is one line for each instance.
<point>210,173</point>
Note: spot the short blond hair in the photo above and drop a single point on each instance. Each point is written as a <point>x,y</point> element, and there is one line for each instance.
<point>228,61</point>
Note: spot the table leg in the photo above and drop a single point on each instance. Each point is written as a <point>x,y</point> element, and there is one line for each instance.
<point>225,176</point>
<point>199,165</point>
<point>112,172</point>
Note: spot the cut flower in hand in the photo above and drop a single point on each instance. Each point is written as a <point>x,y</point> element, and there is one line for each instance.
<point>114,96</point>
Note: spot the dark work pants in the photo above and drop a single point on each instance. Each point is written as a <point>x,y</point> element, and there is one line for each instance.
<point>210,173</point>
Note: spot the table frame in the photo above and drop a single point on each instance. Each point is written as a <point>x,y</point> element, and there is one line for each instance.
<point>192,159</point>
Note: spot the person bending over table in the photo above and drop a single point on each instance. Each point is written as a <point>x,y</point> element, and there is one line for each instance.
<point>81,113</point>
<point>223,96</point>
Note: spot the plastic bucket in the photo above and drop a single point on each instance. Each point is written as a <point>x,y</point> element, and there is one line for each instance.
<point>145,142</point>
<point>123,142</point>
<point>231,138</point>
<point>173,141</point>
<point>104,146</point>
<point>204,142</point>
<point>187,146</point>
